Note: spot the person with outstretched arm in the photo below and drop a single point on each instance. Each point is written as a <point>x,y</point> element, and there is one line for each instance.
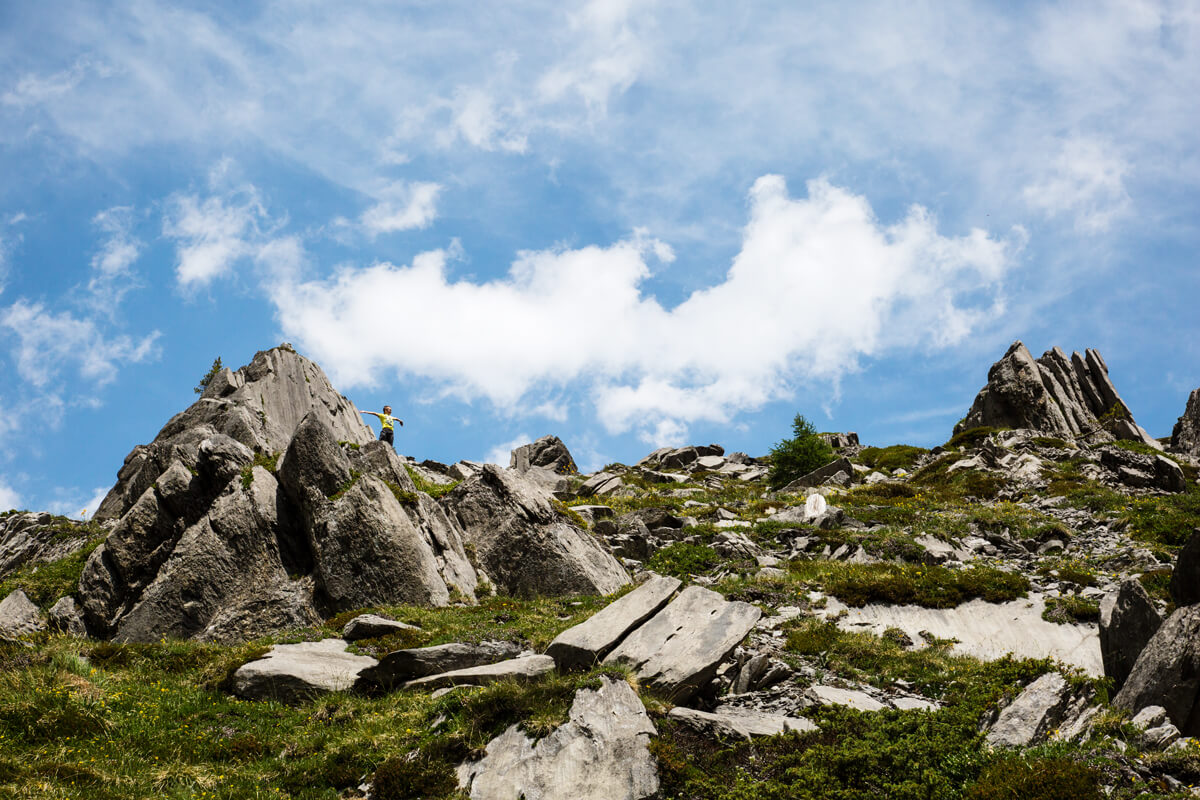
<point>385,421</point>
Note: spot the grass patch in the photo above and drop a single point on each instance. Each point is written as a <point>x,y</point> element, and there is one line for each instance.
<point>434,490</point>
<point>1071,609</point>
<point>347,486</point>
<point>1067,480</point>
<point>46,582</point>
<point>897,456</point>
<point>1050,778</point>
<point>857,585</point>
<point>1168,520</point>
<point>403,496</point>
<point>267,461</point>
<point>1071,570</point>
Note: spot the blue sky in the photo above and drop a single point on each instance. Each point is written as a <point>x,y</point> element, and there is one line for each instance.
<point>625,223</point>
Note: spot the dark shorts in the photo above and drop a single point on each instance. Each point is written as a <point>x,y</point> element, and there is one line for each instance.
<point>386,435</point>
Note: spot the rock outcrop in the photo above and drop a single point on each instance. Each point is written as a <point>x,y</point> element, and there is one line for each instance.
<point>547,453</point>
<point>1185,436</point>
<point>291,673</point>
<point>259,406</point>
<point>19,616</point>
<point>1057,396</point>
<point>601,751</point>
<point>1128,620</point>
<point>1046,704</point>
<point>1167,672</point>
<point>524,543</point>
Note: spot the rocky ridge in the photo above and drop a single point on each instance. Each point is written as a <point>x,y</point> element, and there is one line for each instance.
<point>892,584</point>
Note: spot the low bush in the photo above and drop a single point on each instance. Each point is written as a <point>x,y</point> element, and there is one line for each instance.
<point>683,559</point>
<point>972,437</point>
<point>1036,779</point>
<point>897,456</point>
<point>1071,609</point>
<point>857,585</point>
<point>1168,520</point>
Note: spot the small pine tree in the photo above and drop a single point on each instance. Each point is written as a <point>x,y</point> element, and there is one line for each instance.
<point>208,376</point>
<point>797,456</point>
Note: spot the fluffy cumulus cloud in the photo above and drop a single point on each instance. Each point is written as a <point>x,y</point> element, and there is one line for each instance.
<point>9,497</point>
<point>819,282</point>
<point>47,342</point>
<point>211,234</point>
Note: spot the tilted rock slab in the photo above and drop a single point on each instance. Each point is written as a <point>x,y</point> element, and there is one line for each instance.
<point>589,641</point>
<point>292,673</point>
<point>369,626</point>
<point>1128,620</point>
<point>400,666</point>
<point>19,616</point>
<point>1042,707</point>
<point>602,751</point>
<point>259,405</point>
<point>1054,395</point>
<point>1185,436</point>
<point>742,723</point>
<point>1167,673</point>
<point>680,648</point>
<point>527,547</point>
<point>32,537</point>
<point>524,668</point>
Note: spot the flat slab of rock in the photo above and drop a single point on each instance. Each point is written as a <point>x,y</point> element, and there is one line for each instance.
<point>1036,711</point>
<point>294,672</point>
<point>728,722</point>
<point>852,698</point>
<point>521,669</point>
<point>602,751</point>
<point>983,630</point>
<point>369,626</point>
<point>679,649</point>
<point>400,666</point>
<point>19,616</point>
<point>589,641</point>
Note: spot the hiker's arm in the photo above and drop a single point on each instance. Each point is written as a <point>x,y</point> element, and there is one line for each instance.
<point>372,413</point>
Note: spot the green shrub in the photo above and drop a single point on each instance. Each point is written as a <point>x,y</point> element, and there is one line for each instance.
<point>682,559</point>
<point>972,437</point>
<point>1036,779</point>
<point>928,586</point>
<point>898,456</point>
<point>798,456</point>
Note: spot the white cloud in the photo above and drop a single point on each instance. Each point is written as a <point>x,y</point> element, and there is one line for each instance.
<point>9,497</point>
<point>501,454</point>
<point>112,275</point>
<point>819,282</point>
<point>407,206</point>
<point>73,504</point>
<point>47,342</point>
<point>1086,179</point>
<point>213,233</point>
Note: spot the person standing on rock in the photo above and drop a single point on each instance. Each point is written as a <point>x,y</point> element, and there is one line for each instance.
<point>385,421</point>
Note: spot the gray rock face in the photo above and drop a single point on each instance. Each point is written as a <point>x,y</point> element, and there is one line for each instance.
<point>1128,619</point>
<point>259,405</point>
<point>524,668</point>
<point>548,453</point>
<point>225,578</point>
<point>739,723</point>
<point>602,751</point>
<point>1167,673</point>
<point>589,641</point>
<point>1054,395</point>
<point>65,616</point>
<point>32,537</point>
<point>680,648</point>
<point>1185,436</point>
<point>1185,576</point>
<point>292,673</point>
<point>369,626</point>
<point>524,544</point>
<point>400,666</point>
<point>1143,471</point>
<point>19,616</point>
<point>1039,709</point>
<point>313,466</point>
